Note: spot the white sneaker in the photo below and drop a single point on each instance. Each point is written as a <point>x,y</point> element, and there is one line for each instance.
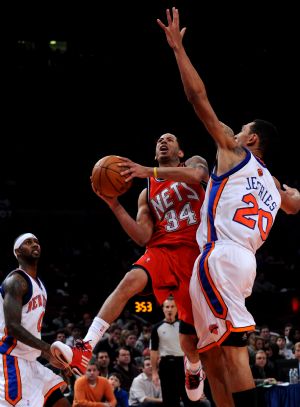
<point>194,382</point>
<point>62,352</point>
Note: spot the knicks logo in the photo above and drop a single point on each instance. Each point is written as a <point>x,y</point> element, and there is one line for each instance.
<point>260,172</point>
<point>213,329</point>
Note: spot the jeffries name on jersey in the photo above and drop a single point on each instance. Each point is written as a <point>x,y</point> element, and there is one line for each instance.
<point>263,194</point>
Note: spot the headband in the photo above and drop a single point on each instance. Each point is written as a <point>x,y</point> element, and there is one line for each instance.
<point>21,239</point>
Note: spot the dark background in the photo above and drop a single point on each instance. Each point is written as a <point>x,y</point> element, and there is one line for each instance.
<point>114,90</point>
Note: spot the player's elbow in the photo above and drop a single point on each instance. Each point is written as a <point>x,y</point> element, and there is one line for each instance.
<point>196,96</point>
<point>142,241</point>
<point>290,210</point>
<point>144,234</point>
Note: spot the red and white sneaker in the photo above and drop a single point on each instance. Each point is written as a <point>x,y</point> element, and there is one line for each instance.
<point>75,358</point>
<point>82,354</point>
<point>194,382</point>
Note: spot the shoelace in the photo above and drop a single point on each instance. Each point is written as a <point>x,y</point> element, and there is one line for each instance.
<point>81,345</point>
<point>193,380</point>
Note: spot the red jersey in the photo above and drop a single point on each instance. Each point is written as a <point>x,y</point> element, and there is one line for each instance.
<point>175,208</point>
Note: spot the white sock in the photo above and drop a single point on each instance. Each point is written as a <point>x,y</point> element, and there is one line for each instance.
<point>96,331</point>
<point>193,367</point>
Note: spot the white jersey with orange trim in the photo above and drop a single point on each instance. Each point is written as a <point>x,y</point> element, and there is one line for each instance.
<point>237,214</point>
<point>33,310</point>
<point>239,206</point>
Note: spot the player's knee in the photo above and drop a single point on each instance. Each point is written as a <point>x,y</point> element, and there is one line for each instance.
<point>56,399</point>
<point>133,282</point>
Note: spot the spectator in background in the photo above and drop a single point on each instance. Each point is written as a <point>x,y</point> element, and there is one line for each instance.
<point>273,358</point>
<point>62,319</point>
<point>259,343</point>
<point>273,337</point>
<point>124,318</point>
<point>295,334</point>
<point>103,362</point>
<point>111,343</point>
<point>143,392</point>
<point>286,330</point>
<point>125,368</point>
<point>283,350</point>
<point>68,329</point>
<point>261,372</point>
<point>130,342</point>
<point>265,333</point>
<point>120,394</point>
<point>93,390</point>
<point>143,341</point>
<point>127,320</point>
<point>61,335</point>
<point>297,356</point>
<point>76,333</point>
<point>85,323</point>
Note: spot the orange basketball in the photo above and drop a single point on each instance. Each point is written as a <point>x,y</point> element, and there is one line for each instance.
<point>106,178</point>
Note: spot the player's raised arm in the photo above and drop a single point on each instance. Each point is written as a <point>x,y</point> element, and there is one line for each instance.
<point>193,85</point>
<point>194,171</point>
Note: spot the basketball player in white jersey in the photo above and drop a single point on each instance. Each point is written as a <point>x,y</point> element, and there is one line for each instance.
<point>23,380</point>
<point>241,202</point>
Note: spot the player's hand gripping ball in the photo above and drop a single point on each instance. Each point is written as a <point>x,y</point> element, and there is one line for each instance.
<point>106,178</point>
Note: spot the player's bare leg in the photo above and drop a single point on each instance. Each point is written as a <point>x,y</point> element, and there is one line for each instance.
<point>188,344</point>
<point>133,282</point>
<point>241,380</point>
<point>214,364</point>
<point>63,402</point>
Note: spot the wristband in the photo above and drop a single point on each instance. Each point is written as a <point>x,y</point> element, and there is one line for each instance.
<point>155,172</point>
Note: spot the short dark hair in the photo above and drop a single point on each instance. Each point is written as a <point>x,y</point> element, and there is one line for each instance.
<point>117,375</point>
<point>145,359</point>
<point>266,132</point>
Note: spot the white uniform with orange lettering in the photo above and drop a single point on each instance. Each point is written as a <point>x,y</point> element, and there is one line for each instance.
<point>237,214</point>
<point>23,380</point>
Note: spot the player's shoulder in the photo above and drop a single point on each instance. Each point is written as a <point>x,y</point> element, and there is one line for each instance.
<point>16,278</point>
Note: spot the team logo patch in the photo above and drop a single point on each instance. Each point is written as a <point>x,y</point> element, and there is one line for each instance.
<point>148,259</point>
<point>213,329</point>
<point>260,172</point>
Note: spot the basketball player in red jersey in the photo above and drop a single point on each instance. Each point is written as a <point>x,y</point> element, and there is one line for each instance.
<point>166,223</point>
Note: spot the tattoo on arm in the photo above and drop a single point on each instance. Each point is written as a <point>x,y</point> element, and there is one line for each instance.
<point>15,288</point>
